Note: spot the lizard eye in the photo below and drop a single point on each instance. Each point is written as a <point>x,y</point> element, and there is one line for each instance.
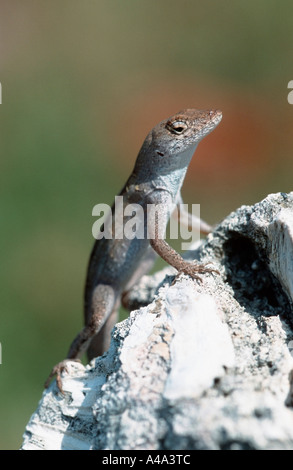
<point>176,127</point>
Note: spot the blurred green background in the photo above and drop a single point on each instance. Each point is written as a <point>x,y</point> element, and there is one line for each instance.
<point>82,84</point>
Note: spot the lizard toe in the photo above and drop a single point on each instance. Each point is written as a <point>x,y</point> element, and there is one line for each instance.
<point>57,370</point>
<point>194,270</point>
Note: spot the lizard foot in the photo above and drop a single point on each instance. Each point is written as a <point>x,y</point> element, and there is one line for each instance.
<point>194,270</point>
<point>57,370</point>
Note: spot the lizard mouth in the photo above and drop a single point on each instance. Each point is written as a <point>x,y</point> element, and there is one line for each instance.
<point>209,121</point>
<point>215,115</point>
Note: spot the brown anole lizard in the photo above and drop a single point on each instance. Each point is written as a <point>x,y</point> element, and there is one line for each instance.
<point>116,264</point>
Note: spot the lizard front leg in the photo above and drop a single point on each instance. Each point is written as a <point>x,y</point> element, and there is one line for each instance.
<point>171,256</point>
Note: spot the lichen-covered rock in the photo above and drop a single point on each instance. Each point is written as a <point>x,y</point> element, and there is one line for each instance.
<point>199,365</point>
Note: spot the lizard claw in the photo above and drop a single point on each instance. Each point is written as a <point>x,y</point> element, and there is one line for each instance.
<point>57,370</point>
<point>194,270</point>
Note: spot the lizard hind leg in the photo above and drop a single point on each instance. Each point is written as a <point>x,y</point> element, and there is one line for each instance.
<point>100,343</point>
<point>102,305</point>
<point>101,319</point>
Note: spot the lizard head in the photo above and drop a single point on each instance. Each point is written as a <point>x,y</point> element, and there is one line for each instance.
<point>187,128</point>
<point>171,144</point>
<point>190,125</point>
<point>174,140</point>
